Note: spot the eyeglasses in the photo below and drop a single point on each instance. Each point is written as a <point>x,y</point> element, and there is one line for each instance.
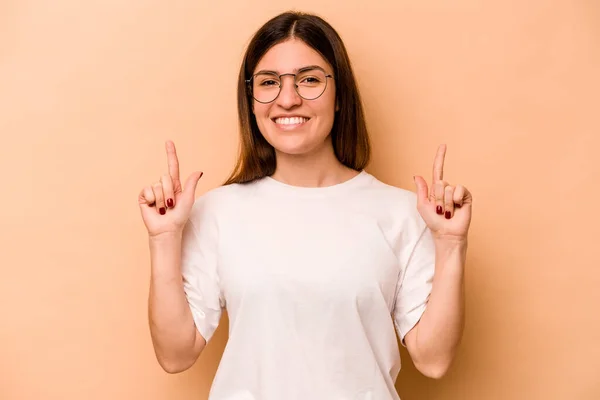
<point>310,83</point>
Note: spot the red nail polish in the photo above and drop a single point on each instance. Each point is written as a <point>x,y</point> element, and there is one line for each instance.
<point>448,214</point>
<point>170,203</point>
<point>162,211</point>
<point>438,210</point>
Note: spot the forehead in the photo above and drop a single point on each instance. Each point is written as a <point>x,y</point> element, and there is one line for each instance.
<point>289,56</point>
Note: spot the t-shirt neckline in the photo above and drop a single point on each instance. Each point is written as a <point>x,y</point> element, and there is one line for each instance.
<point>274,184</point>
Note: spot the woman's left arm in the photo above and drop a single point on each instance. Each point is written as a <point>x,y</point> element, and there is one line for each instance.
<point>432,343</point>
<point>446,210</point>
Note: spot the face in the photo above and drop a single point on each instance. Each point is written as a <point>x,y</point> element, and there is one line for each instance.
<point>290,123</point>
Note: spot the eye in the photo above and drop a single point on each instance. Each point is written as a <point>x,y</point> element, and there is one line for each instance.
<point>310,79</point>
<point>269,82</point>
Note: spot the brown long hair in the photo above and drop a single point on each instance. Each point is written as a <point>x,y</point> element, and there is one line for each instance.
<point>349,132</point>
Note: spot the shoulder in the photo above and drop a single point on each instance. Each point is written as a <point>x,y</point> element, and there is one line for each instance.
<point>391,196</point>
<point>395,207</point>
<point>221,199</point>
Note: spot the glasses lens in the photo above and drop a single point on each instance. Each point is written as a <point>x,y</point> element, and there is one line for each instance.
<point>265,87</point>
<point>311,83</point>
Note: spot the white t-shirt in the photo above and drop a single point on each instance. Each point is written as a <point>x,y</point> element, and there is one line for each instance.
<point>314,281</point>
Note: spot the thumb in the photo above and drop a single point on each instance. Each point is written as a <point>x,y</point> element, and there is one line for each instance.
<point>422,189</point>
<point>189,188</point>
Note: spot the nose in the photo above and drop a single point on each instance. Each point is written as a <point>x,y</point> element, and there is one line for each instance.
<point>288,97</point>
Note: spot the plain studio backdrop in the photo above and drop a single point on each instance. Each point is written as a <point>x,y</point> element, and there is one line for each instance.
<point>90,91</point>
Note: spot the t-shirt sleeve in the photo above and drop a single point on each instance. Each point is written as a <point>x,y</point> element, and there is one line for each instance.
<point>415,282</point>
<point>199,268</point>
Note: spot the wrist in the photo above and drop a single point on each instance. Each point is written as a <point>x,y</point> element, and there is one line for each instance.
<point>451,248</point>
<point>165,257</point>
<point>450,241</point>
<point>165,237</point>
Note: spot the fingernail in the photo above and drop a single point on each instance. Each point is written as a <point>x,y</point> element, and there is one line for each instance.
<point>448,214</point>
<point>438,210</point>
<point>162,211</point>
<point>170,203</point>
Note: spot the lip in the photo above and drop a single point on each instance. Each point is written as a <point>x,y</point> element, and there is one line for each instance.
<point>289,116</point>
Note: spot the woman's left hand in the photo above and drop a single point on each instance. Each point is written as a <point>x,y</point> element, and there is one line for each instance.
<point>446,209</point>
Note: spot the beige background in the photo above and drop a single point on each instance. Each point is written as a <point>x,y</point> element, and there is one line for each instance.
<point>89,92</point>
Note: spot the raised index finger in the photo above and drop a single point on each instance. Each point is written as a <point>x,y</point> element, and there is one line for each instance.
<point>438,164</point>
<point>173,164</point>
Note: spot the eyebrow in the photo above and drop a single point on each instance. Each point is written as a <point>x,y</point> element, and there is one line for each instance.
<point>296,70</point>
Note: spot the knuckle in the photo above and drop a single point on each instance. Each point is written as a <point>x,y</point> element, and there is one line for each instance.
<point>147,194</point>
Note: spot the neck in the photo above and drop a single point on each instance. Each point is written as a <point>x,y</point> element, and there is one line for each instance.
<point>319,168</point>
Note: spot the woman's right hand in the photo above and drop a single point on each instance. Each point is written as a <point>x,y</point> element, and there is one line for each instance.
<point>166,205</point>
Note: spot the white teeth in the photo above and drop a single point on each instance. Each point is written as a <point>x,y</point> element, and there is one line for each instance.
<point>291,121</point>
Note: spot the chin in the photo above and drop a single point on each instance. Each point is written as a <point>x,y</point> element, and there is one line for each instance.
<point>295,149</point>
<point>297,141</point>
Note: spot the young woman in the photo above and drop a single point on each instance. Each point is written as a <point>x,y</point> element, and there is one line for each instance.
<point>317,262</point>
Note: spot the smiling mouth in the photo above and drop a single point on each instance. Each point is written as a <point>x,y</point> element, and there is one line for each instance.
<point>288,123</point>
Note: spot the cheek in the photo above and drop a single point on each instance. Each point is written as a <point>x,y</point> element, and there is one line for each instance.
<point>326,110</point>
<point>260,110</point>
<point>261,113</point>
<point>329,105</point>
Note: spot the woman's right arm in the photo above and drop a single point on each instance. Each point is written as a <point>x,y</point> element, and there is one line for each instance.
<point>165,207</point>
<point>177,343</point>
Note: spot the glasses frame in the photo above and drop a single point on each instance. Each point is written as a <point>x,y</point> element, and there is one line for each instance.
<point>249,83</point>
